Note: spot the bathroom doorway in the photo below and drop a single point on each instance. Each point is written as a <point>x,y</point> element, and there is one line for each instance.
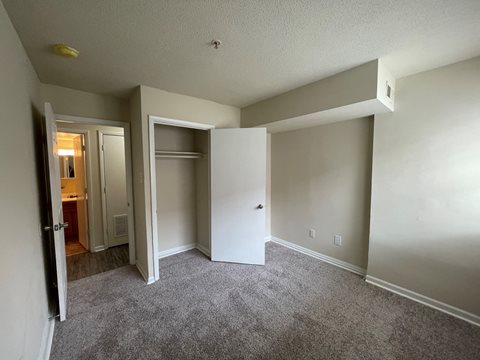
<point>104,171</point>
<point>74,190</point>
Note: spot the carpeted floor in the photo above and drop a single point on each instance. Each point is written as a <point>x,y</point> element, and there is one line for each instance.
<point>296,307</point>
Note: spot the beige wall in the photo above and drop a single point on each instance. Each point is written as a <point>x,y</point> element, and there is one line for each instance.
<point>425,227</point>
<point>149,101</point>
<point>67,101</point>
<point>23,261</point>
<point>346,88</point>
<point>140,202</point>
<point>95,192</point>
<point>176,189</point>
<point>321,180</point>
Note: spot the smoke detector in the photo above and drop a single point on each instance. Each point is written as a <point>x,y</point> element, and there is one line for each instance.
<point>216,43</point>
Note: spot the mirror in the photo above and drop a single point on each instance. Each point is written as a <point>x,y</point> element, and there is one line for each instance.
<point>67,166</point>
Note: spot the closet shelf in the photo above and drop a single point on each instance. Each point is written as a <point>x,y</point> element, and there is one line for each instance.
<point>178,154</point>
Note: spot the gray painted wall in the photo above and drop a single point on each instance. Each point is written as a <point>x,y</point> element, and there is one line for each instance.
<point>321,180</point>
<point>23,265</point>
<point>425,227</point>
<point>176,189</point>
<point>149,101</point>
<point>67,101</point>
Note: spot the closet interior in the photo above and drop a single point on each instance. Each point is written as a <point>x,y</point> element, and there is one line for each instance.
<point>182,189</point>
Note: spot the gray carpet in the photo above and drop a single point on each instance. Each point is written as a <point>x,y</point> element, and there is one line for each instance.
<point>295,307</point>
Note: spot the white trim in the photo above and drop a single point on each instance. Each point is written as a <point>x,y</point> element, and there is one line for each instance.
<point>153,197</point>
<point>175,250</point>
<point>152,120</point>
<point>268,238</point>
<point>99,248</point>
<point>128,163</point>
<point>129,170</point>
<point>149,280</point>
<point>89,120</point>
<point>422,299</point>
<point>341,264</point>
<point>47,340</point>
<point>102,189</point>
<point>203,249</point>
<point>89,185</point>
<point>179,123</point>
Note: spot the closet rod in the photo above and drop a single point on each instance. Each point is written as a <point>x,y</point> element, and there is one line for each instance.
<point>179,156</point>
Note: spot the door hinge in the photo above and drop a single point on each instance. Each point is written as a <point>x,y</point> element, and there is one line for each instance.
<point>102,147</point>
<point>105,190</point>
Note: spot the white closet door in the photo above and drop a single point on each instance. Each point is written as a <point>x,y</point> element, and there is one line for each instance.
<point>237,195</point>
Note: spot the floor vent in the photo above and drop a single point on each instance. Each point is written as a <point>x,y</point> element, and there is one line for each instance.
<point>120,225</point>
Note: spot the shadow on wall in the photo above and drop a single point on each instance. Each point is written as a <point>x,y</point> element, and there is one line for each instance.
<point>41,161</point>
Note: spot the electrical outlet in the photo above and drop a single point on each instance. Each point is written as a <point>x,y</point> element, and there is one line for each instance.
<point>337,240</point>
<point>311,233</point>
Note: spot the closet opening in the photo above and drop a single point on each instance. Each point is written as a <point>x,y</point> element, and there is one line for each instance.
<point>179,180</point>
<point>180,189</point>
<point>207,192</point>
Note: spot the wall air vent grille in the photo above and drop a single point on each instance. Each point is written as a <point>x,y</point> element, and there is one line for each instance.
<point>120,225</point>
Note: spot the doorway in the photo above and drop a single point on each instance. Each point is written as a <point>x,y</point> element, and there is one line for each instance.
<point>59,166</point>
<point>101,193</point>
<point>74,190</point>
<point>207,191</point>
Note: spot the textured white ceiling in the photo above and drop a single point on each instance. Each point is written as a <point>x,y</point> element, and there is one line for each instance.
<point>269,46</point>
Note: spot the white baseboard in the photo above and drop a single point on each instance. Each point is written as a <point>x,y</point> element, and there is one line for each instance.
<point>342,264</point>
<point>149,280</point>
<point>176,250</point>
<point>203,249</point>
<point>438,305</point>
<point>268,238</point>
<point>99,248</point>
<point>47,340</point>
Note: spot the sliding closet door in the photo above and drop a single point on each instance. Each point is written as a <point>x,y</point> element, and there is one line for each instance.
<point>237,195</point>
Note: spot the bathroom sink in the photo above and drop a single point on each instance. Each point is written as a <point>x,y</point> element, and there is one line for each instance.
<point>71,198</point>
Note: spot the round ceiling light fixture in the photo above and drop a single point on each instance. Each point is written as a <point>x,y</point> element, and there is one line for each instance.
<point>216,43</point>
<point>66,51</point>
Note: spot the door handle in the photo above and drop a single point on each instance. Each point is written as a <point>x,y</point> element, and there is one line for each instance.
<point>55,227</point>
<point>260,206</point>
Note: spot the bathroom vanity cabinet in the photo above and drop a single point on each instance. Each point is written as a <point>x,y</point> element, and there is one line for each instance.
<point>70,217</point>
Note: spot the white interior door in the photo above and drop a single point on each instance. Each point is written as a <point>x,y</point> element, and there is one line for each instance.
<point>237,195</point>
<point>114,180</point>
<point>57,225</point>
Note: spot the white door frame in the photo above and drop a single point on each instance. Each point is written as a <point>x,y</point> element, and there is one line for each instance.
<point>101,154</point>
<point>128,164</point>
<point>88,171</point>
<point>152,121</point>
